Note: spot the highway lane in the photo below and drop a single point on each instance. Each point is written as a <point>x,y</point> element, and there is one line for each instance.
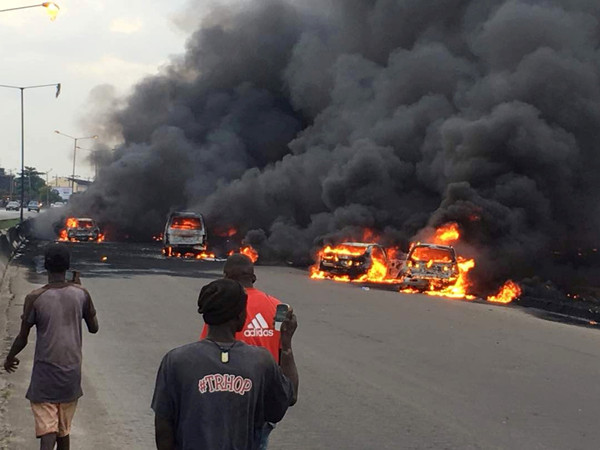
<point>4,214</point>
<point>379,370</point>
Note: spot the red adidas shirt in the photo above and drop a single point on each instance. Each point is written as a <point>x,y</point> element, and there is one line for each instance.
<point>258,329</point>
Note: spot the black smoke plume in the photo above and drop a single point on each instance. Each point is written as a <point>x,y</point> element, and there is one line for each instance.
<point>304,122</point>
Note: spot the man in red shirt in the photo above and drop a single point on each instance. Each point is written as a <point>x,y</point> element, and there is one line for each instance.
<point>259,327</point>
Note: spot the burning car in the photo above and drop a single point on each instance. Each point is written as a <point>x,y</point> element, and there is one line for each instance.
<point>185,234</point>
<point>353,260</point>
<point>81,229</point>
<point>430,267</point>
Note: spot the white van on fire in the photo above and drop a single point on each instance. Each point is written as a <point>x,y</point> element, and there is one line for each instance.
<point>185,235</point>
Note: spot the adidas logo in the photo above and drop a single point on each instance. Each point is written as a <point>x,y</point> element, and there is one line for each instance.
<point>258,327</point>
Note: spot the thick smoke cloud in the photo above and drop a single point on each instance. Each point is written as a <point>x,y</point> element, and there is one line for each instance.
<point>299,123</point>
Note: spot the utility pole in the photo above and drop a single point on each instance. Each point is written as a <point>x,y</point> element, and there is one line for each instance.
<point>47,189</point>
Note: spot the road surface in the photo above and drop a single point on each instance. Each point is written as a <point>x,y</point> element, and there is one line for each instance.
<point>4,214</point>
<point>378,369</point>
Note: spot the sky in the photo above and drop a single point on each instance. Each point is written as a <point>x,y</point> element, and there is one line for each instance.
<point>90,43</point>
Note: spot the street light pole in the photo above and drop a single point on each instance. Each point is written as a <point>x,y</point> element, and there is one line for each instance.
<point>75,139</point>
<point>51,7</point>
<point>22,89</point>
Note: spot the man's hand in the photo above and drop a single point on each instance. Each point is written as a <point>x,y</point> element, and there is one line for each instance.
<point>288,328</point>
<point>10,365</point>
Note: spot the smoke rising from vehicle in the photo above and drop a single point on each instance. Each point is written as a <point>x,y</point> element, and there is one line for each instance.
<point>304,122</point>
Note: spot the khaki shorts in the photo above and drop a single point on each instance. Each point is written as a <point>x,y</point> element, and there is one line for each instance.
<point>53,418</point>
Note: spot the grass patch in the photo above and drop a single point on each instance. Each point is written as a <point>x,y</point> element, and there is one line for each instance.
<point>8,223</point>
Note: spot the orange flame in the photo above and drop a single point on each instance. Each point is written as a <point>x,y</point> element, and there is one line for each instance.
<point>247,250</point>
<point>170,253</point>
<point>459,290</point>
<point>72,222</point>
<point>250,253</point>
<point>377,273</point>
<point>229,232</point>
<point>507,293</point>
<point>447,234</point>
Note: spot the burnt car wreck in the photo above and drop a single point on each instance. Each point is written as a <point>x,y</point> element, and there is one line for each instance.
<point>352,259</point>
<point>430,267</point>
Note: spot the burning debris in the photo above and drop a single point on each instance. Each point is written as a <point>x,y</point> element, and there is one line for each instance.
<point>247,250</point>
<point>507,293</point>
<point>169,252</point>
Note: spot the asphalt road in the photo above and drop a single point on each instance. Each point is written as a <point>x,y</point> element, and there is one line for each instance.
<point>4,214</point>
<point>378,369</point>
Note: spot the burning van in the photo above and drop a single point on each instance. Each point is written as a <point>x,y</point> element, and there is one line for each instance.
<point>353,260</point>
<point>185,234</point>
<point>430,267</point>
<point>82,229</point>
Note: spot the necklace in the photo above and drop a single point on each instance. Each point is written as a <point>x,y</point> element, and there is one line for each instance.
<point>224,350</point>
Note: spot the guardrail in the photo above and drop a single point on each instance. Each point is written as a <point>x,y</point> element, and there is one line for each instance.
<point>10,241</point>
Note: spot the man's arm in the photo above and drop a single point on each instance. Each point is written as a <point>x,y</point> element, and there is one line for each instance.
<point>164,433</point>
<point>92,324</point>
<point>90,316</point>
<point>287,363</point>
<point>11,362</point>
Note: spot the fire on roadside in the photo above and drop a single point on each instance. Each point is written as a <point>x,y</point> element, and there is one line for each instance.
<point>507,293</point>
<point>247,250</point>
<point>447,234</point>
<point>171,253</point>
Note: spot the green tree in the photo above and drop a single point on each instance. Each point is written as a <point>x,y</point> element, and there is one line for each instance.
<point>32,182</point>
<point>46,194</point>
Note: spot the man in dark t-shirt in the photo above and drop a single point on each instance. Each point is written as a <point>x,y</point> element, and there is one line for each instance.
<point>57,311</point>
<point>218,392</point>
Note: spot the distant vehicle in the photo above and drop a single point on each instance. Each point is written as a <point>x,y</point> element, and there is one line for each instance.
<point>34,206</point>
<point>57,205</point>
<point>430,267</point>
<point>185,234</point>
<point>352,259</point>
<point>82,229</point>
<point>14,206</point>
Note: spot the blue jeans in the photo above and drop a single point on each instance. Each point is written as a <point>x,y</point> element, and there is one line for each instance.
<point>264,435</point>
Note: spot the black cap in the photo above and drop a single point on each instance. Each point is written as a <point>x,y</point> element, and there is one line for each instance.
<point>221,301</point>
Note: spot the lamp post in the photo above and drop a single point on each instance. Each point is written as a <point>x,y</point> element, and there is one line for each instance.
<point>75,139</point>
<point>22,89</point>
<point>51,7</point>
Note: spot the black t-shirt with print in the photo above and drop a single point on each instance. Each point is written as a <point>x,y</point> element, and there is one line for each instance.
<point>216,405</point>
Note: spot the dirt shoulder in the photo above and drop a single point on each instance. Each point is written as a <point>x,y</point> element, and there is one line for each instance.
<point>16,421</point>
